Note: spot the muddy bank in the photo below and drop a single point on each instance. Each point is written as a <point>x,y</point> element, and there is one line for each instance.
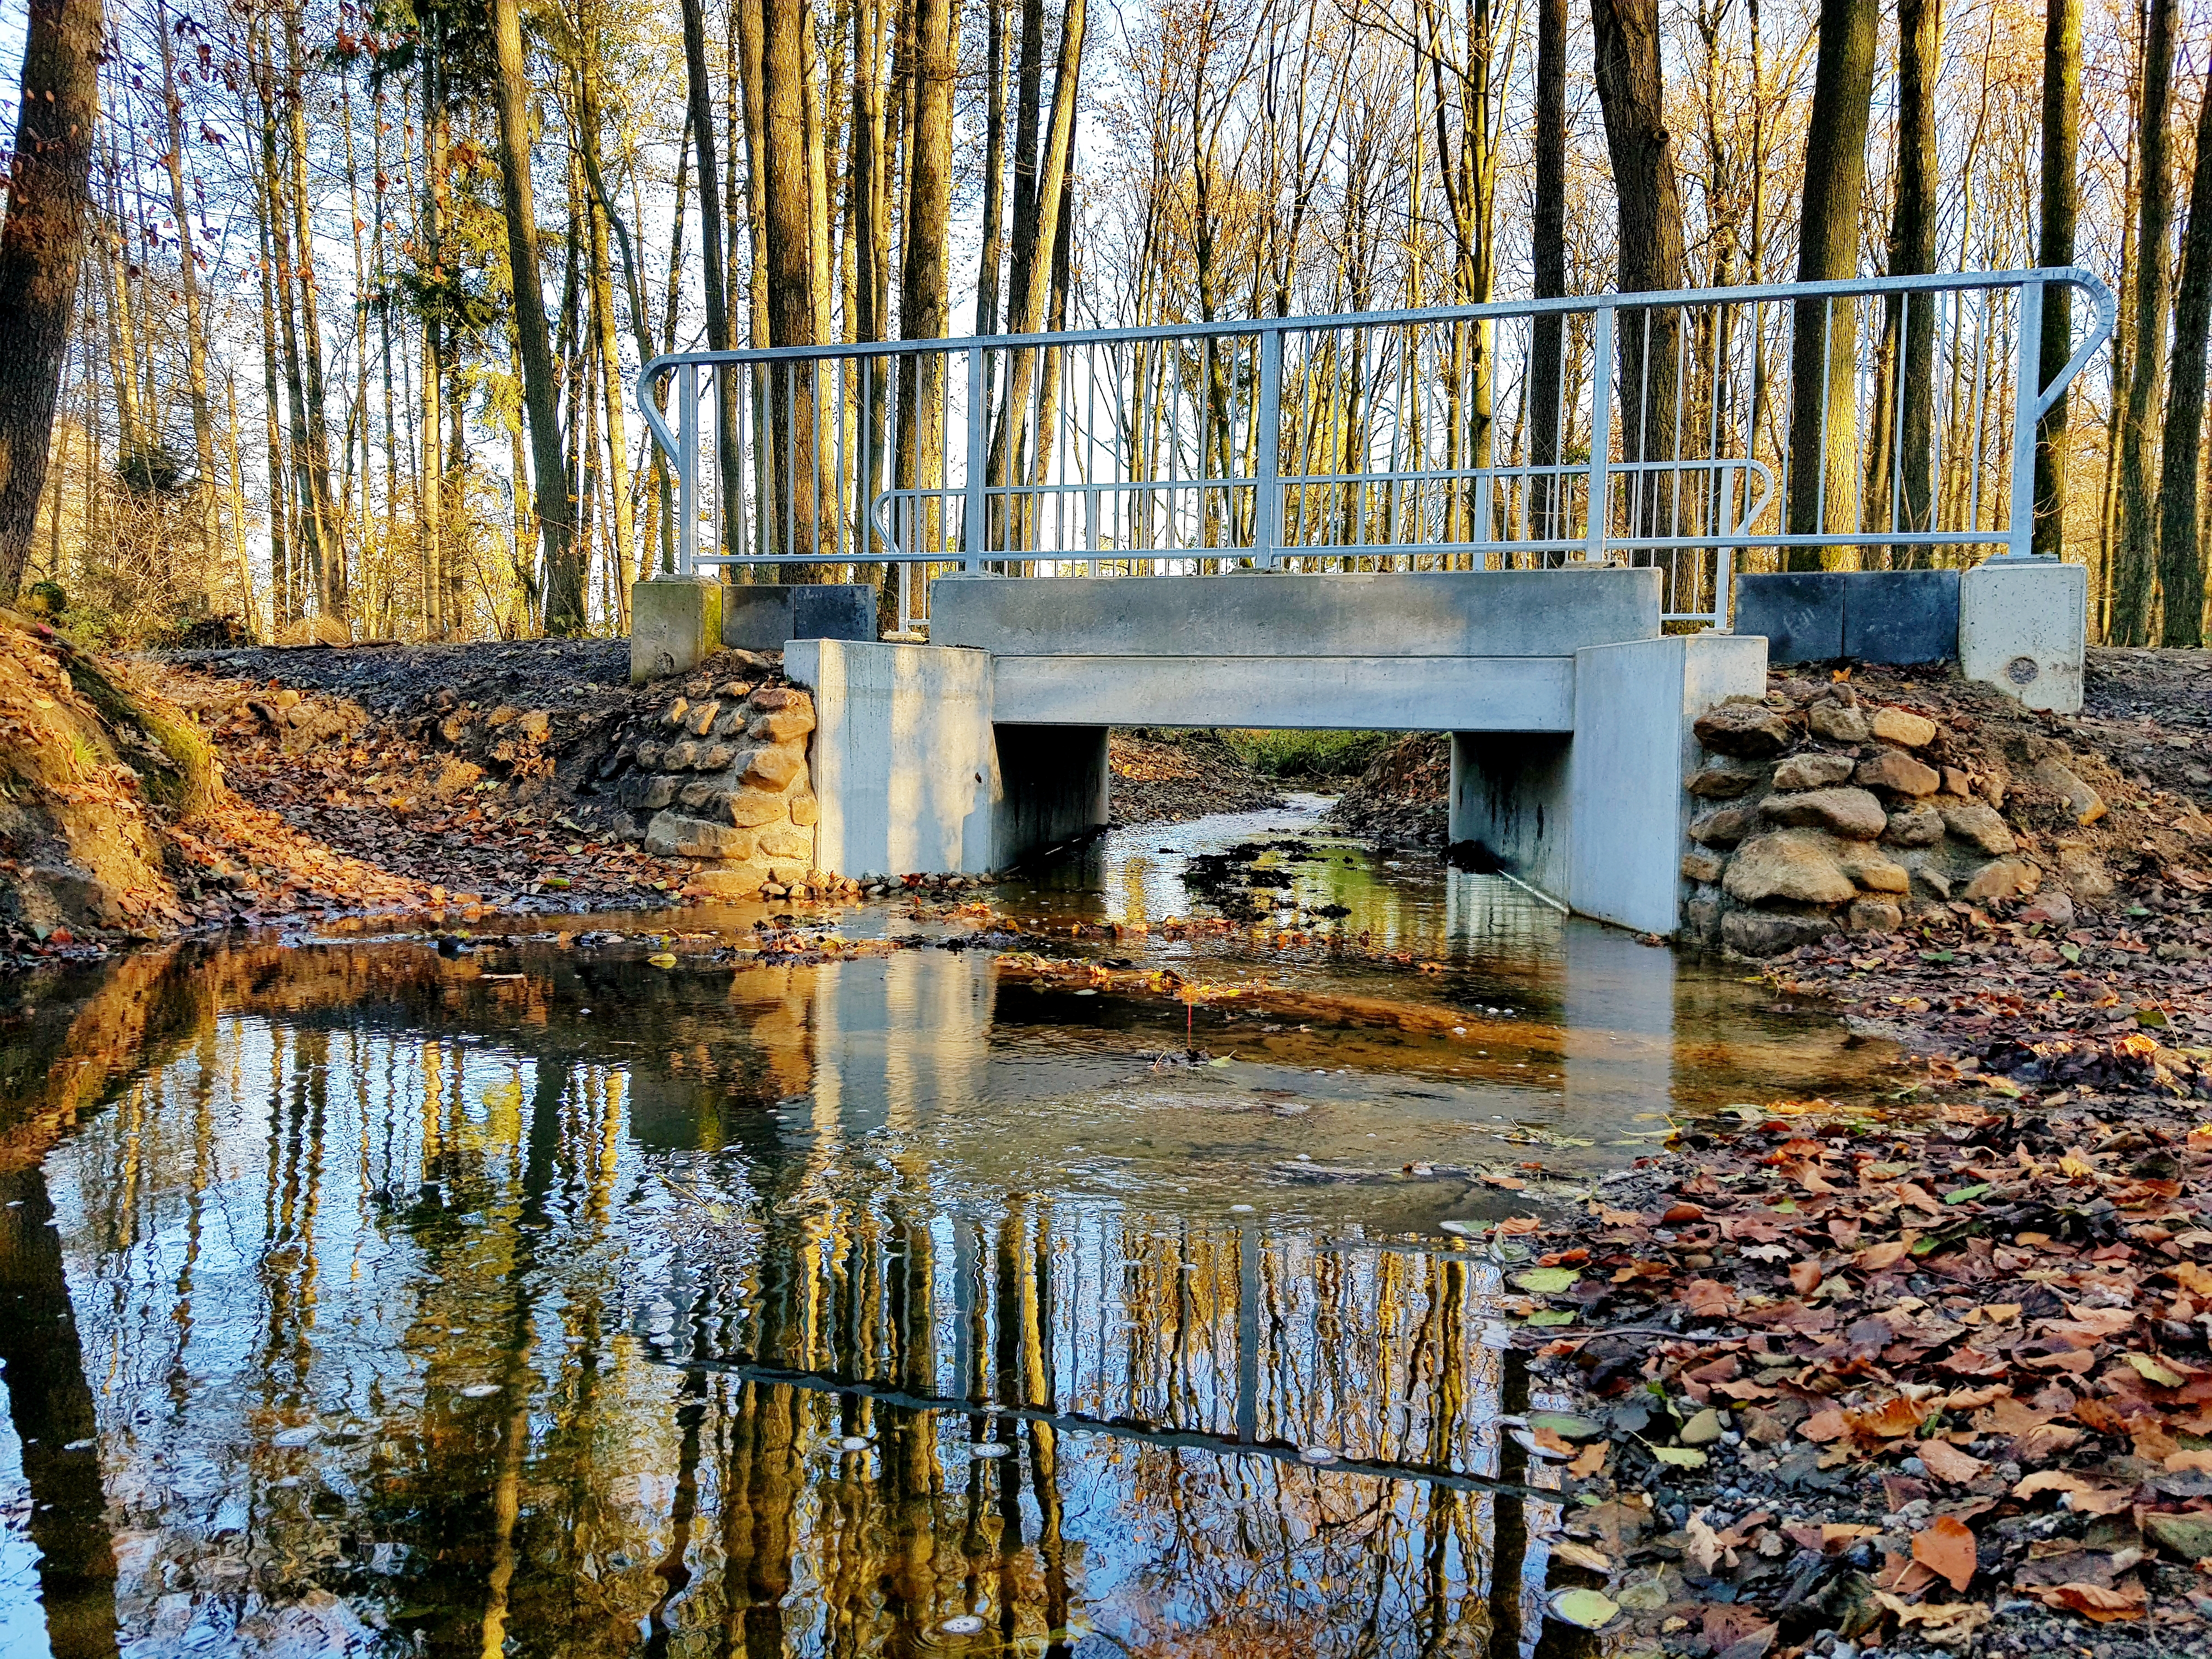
<point>1403,798</point>
<point>1174,778</point>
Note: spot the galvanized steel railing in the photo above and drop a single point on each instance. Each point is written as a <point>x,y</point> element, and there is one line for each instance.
<point>1639,429</point>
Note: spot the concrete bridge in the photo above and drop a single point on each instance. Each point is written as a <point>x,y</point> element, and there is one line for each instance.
<point>1569,710</point>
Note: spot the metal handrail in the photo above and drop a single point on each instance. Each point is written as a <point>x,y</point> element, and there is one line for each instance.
<point>1218,397</point>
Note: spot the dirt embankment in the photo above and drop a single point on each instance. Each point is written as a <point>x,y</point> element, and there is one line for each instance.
<point>1188,774</point>
<point>1403,799</point>
<point>116,821</point>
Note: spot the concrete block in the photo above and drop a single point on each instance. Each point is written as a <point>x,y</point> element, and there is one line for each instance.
<point>1633,746</point>
<point>675,624</point>
<point>762,616</point>
<point>905,772</point>
<point>1370,694</point>
<point>1052,788</point>
<point>1465,613</point>
<point>1800,613</point>
<point>1899,615</point>
<point>2023,628</point>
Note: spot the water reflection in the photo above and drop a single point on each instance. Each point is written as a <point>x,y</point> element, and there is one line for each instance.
<point>538,1300</point>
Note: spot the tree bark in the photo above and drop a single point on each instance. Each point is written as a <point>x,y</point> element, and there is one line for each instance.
<point>41,247</point>
<point>920,458</point>
<point>786,52</point>
<point>2062,151</point>
<point>564,572</point>
<point>2181,551</point>
<point>1630,96</point>
<point>1912,253</point>
<point>2138,548</point>
<point>1548,251</point>
<point>1823,353</point>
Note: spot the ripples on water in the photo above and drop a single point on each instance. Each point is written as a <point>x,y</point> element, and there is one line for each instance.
<point>541,1301</point>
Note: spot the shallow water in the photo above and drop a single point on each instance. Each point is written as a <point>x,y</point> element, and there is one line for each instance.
<point>538,1299</point>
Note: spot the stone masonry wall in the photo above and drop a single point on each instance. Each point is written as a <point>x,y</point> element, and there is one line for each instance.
<point>723,772</point>
<point>1820,813</point>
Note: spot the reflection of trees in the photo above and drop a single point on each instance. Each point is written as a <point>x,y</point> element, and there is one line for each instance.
<point>337,1202</point>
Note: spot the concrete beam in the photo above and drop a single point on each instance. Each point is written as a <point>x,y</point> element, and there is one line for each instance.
<point>1456,613</point>
<point>903,761</point>
<point>1370,694</point>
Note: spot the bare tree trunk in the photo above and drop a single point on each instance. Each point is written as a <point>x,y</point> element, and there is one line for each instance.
<point>2138,548</point>
<point>2062,151</point>
<point>787,52</point>
<point>2180,553</point>
<point>330,569</point>
<point>994,170</point>
<point>603,312</point>
<point>41,247</point>
<point>1906,440</point>
<point>1631,95</point>
<point>1548,250</point>
<point>196,376</point>
<point>1824,349</point>
<point>564,572</point>
<point>923,276</point>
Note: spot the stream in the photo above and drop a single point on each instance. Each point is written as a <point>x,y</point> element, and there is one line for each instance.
<point>371,1292</point>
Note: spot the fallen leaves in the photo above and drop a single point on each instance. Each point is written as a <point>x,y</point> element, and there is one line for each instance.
<point>1945,1547</point>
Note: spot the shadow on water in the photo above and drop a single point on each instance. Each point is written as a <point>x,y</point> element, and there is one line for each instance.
<point>543,1300</point>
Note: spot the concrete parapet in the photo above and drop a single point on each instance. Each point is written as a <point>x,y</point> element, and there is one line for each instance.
<point>2023,627</point>
<point>675,624</point>
<point>767,616</point>
<point>1454,613</point>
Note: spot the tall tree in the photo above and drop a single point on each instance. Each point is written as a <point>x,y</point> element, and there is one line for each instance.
<point>923,274</point>
<point>2180,548</point>
<point>564,565</point>
<point>787,50</point>
<point>2062,154</point>
<point>40,248</point>
<point>1548,253</point>
<point>1631,96</point>
<point>2136,561</point>
<point>1823,354</point>
<point>1912,251</point>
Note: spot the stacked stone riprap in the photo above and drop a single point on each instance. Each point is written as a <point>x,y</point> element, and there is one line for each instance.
<point>1821,814</point>
<point>723,773</point>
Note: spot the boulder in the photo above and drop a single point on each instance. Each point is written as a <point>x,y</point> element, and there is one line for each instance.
<point>1769,934</point>
<point>674,714</point>
<point>730,722</point>
<point>2053,909</point>
<point>1837,723</point>
<point>701,720</point>
<point>1795,865</point>
<point>672,835</point>
<point>1725,826</point>
<point>748,808</point>
<point>729,881</point>
<point>648,756</point>
<point>1750,729</point>
<point>1702,866</point>
<point>2002,879</point>
<point>785,842</point>
<point>714,757</point>
<point>1956,782</point>
<point>1851,813</point>
<point>780,724</point>
<point>1898,774</point>
<point>1903,728</point>
<point>1879,875</point>
<point>1725,779</point>
<point>782,697</point>
<point>1914,826</point>
<point>1980,828</point>
<point>696,795</point>
<point>1874,915</point>
<point>679,757</point>
<point>2084,803</point>
<point>771,768</point>
<point>641,793</point>
<point>805,810</point>
<point>1812,771</point>
<point>2084,872</point>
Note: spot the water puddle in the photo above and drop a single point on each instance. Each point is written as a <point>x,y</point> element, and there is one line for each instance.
<point>374,1297</point>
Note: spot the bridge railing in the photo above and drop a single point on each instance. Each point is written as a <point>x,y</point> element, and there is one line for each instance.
<point>1658,429</point>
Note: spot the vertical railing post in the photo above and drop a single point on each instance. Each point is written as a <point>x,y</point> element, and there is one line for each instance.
<point>2028,393</point>
<point>1600,433</point>
<point>687,469</point>
<point>1268,503</point>
<point>976,532</point>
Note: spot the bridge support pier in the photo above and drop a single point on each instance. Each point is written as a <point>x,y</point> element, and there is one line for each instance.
<point>1596,817</point>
